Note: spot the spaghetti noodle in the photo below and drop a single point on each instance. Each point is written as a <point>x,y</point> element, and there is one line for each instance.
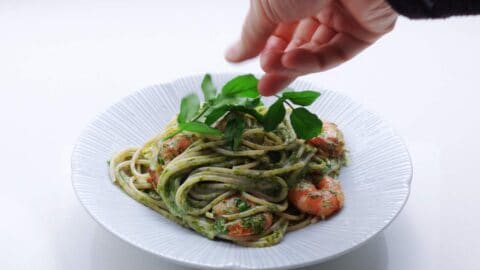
<point>250,195</point>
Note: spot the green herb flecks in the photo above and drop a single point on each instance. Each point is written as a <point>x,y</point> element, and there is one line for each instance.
<point>220,226</point>
<point>241,205</point>
<point>256,223</point>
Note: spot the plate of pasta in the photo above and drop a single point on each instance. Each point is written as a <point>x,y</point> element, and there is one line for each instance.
<point>204,172</point>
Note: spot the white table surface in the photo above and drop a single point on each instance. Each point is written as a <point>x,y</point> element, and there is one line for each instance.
<point>63,62</point>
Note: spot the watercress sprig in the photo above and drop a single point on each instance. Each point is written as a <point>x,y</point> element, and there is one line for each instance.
<point>240,95</point>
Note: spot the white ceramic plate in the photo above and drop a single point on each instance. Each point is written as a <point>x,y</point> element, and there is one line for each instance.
<point>376,183</point>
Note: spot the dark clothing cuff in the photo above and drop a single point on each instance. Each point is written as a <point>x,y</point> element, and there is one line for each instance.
<point>418,9</point>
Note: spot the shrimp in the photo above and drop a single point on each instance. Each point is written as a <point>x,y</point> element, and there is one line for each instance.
<point>250,225</point>
<point>243,227</point>
<point>169,149</point>
<point>322,199</point>
<point>174,146</point>
<point>330,142</point>
<point>232,205</point>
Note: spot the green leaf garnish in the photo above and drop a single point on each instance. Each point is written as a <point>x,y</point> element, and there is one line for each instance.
<point>306,124</point>
<point>199,127</point>
<point>252,103</point>
<point>241,86</point>
<point>240,96</point>
<point>303,98</point>
<point>274,116</point>
<point>234,130</point>
<point>216,114</point>
<point>188,108</point>
<point>208,89</point>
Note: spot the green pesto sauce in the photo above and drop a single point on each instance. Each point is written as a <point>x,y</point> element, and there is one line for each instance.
<point>273,238</point>
<point>154,195</point>
<point>197,227</point>
<point>256,223</point>
<point>220,226</point>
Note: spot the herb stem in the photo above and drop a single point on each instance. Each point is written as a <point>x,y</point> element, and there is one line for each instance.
<point>172,134</point>
<point>285,101</point>
<point>289,104</point>
<point>204,109</point>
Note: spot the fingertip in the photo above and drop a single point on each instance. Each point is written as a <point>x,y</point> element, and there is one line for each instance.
<point>271,60</point>
<point>270,84</point>
<point>233,54</point>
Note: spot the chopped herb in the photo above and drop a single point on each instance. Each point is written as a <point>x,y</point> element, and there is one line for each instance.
<point>256,223</point>
<point>241,205</point>
<point>220,226</point>
<point>161,161</point>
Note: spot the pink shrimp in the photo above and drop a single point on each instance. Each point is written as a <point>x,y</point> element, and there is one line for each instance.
<point>246,226</point>
<point>250,225</point>
<point>175,146</point>
<point>322,199</point>
<point>330,142</point>
<point>169,149</point>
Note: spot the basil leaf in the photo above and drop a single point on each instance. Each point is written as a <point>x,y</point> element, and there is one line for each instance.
<point>198,127</point>
<point>188,108</point>
<point>241,86</point>
<point>274,115</point>
<point>208,89</point>
<point>303,98</point>
<point>258,116</point>
<point>248,106</point>
<point>234,131</point>
<point>306,124</point>
<point>287,89</point>
<point>253,103</point>
<point>216,113</point>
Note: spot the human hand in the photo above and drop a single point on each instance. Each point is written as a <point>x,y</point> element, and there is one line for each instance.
<point>297,37</point>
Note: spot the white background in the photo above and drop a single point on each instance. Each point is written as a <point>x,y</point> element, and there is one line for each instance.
<point>63,62</point>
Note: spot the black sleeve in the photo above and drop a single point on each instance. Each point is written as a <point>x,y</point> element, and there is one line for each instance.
<point>417,9</point>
